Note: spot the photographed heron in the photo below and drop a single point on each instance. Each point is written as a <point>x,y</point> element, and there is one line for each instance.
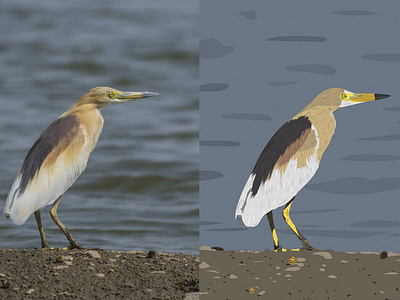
<point>291,158</point>
<point>59,156</point>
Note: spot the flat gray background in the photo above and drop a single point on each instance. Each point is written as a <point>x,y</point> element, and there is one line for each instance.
<point>260,64</point>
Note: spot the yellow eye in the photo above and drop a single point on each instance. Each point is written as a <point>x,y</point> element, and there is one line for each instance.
<point>111,94</point>
<point>343,96</point>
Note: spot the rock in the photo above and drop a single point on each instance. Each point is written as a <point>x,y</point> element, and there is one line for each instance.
<point>391,273</point>
<point>30,291</point>
<point>331,276</point>
<point>218,248</point>
<point>292,269</point>
<point>60,267</point>
<point>232,276</point>
<point>204,265</point>
<point>192,296</point>
<point>261,293</point>
<point>206,248</point>
<point>151,254</point>
<point>383,255</point>
<point>93,253</point>
<point>324,254</point>
<point>301,259</point>
<point>322,269</point>
<point>158,272</point>
<point>101,275</point>
<point>344,261</point>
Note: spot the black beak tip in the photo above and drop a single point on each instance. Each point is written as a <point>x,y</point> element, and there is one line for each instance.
<point>381,96</point>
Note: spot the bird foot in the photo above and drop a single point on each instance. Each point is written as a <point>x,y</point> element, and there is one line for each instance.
<point>308,247</point>
<point>75,246</point>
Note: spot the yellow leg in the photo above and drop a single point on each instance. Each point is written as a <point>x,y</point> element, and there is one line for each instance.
<point>277,246</point>
<point>53,213</point>
<point>41,231</point>
<point>286,217</point>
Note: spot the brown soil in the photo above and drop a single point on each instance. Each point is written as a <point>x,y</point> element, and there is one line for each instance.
<point>96,274</point>
<point>325,274</point>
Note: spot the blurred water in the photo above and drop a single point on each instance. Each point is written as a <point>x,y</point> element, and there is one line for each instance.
<point>140,188</point>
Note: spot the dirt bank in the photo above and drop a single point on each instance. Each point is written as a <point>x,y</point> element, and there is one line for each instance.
<point>324,274</point>
<point>96,274</point>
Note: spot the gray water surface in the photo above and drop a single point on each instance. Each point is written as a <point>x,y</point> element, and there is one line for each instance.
<point>140,188</point>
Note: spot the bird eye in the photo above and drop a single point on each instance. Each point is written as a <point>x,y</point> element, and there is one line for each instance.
<point>343,96</point>
<point>111,94</point>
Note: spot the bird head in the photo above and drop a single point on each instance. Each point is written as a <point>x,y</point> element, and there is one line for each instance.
<point>335,98</point>
<point>105,96</point>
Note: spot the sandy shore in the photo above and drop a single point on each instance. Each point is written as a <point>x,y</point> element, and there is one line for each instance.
<point>318,275</point>
<point>97,274</point>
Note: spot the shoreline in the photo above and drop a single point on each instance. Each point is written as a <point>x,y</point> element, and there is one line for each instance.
<point>97,274</point>
<point>320,274</point>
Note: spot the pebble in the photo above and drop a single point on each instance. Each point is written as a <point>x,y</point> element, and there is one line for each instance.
<point>324,254</point>
<point>60,267</point>
<point>301,259</point>
<point>206,248</point>
<point>101,275</point>
<point>232,276</point>
<point>391,273</point>
<point>151,254</point>
<point>261,293</point>
<point>288,275</point>
<point>212,271</point>
<point>158,272</point>
<point>30,291</point>
<point>93,253</point>
<point>277,267</point>
<point>217,277</point>
<point>6,283</point>
<point>331,276</point>
<point>292,269</point>
<point>383,255</point>
<point>257,278</point>
<point>322,269</point>
<point>204,265</point>
<point>344,261</point>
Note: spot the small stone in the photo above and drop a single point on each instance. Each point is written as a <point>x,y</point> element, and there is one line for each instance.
<point>212,271</point>
<point>322,269</point>
<point>94,253</point>
<point>217,277</point>
<point>204,265</point>
<point>288,275</point>
<point>300,264</point>
<point>324,254</point>
<point>331,276</point>
<point>301,259</point>
<point>277,267</point>
<point>257,278</point>
<point>261,293</point>
<point>392,254</point>
<point>232,276</point>
<point>2,275</point>
<point>30,291</point>
<point>6,283</point>
<point>158,272</point>
<point>382,292</point>
<point>60,267</point>
<point>218,248</point>
<point>151,254</point>
<point>292,269</point>
<point>383,255</point>
<point>206,248</point>
<point>101,275</point>
<point>391,273</point>
<point>112,259</point>
<point>344,261</point>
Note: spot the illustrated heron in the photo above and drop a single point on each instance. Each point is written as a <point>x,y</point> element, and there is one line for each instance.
<point>59,156</point>
<point>291,158</point>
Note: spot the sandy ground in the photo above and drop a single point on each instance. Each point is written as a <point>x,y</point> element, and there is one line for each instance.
<point>318,275</point>
<point>97,274</point>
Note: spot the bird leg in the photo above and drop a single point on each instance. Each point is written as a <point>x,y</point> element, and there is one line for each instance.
<point>277,246</point>
<point>285,213</point>
<point>53,213</point>
<point>41,231</point>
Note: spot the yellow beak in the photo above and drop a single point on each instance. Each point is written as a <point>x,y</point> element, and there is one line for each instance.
<point>366,97</point>
<point>129,96</point>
